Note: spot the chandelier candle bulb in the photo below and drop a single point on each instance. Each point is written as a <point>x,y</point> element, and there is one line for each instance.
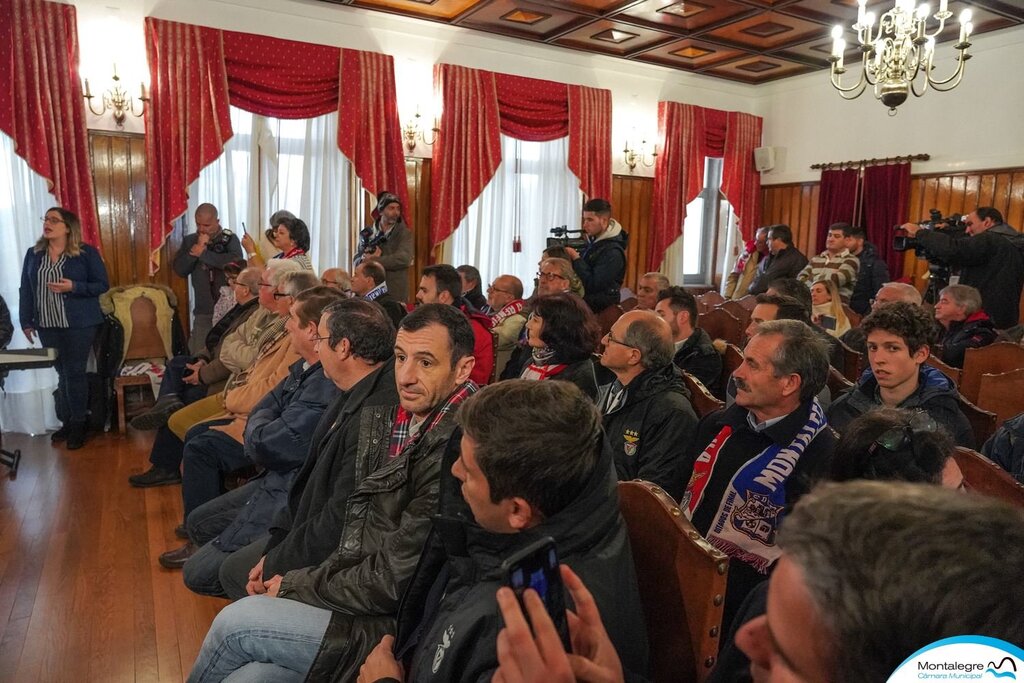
<point>840,49</point>
<point>943,6</point>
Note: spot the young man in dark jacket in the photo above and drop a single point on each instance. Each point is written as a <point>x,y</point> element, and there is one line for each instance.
<point>899,338</point>
<point>356,342</point>
<point>601,264</point>
<point>964,324</point>
<point>873,271</point>
<point>646,410</point>
<point>322,621</point>
<point>695,352</point>
<point>512,494</point>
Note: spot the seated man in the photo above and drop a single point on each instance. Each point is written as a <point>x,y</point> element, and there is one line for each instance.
<point>355,345</point>
<point>899,340</point>
<point>694,352</point>
<point>783,260</point>
<point>845,597</point>
<point>647,289</point>
<point>472,289</point>
<point>836,263</point>
<point>646,410</point>
<point>514,492</point>
<point>554,275</point>
<point>188,379</point>
<point>322,621</point>
<point>792,287</point>
<point>738,281</point>
<point>441,284</point>
<point>888,293</point>
<point>754,459</point>
<point>337,278</point>
<point>964,324</point>
<point>369,281</point>
<point>505,297</point>
<point>277,439</point>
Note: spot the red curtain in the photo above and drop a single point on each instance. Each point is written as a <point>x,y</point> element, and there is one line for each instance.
<point>837,201</point>
<point>687,135</point>
<point>886,196</point>
<point>480,104</point>
<point>196,73</point>
<point>41,103</point>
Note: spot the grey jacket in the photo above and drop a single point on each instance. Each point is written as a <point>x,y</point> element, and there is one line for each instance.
<point>207,270</point>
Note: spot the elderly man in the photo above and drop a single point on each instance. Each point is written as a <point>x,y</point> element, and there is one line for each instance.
<point>737,284</point>
<point>441,284</point>
<point>647,413</point>
<point>694,351</point>
<point>890,292</point>
<point>202,257</point>
<point>964,324</point>
<point>322,621</point>
<point>555,275</point>
<point>647,289</point>
<point>389,242</point>
<point>369,281</point>
<point>783,261</point>
<point>337,278</point>
<point>601,265</point>
<point>751,461</point>
<point>836,263</point>
<point>505,297</point>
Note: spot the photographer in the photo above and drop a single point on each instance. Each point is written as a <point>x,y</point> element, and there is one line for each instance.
<point>202,258</point>
<point>389,242</point>
<point>601,264</point>
<point>991,259</point>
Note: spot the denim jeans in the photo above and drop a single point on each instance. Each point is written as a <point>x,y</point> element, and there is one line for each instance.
<point>202,571</point>
<point>208,455</point>
<point>234,570</point>
<point>73,344</point>
<point>261,630</point>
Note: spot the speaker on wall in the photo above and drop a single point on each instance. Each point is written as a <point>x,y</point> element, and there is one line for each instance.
<point>764,158</point>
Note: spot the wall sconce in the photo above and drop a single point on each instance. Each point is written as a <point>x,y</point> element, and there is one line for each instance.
<point>633,157</point>
<point>117,99</point>
<point>411,132</point>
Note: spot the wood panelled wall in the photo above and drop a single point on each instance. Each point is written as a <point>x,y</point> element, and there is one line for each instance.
<point>795,205</point>
<point>119,174</point>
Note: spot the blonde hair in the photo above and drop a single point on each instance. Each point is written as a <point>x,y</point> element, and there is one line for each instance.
<point>836,305</point>
<point>74,243</point>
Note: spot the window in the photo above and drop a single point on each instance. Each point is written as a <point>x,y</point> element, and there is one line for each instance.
<point>692,258</point>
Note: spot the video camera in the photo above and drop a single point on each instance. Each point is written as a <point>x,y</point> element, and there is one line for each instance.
<point>220,242</point>
<point>561,238</point>
<point>939,271</point>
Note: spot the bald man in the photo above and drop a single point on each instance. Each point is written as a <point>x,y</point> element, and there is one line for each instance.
<point>337,278</point>
<point>647,414</point>
<point>201,258</point>
<point>890,292</point>
<point>505,297</point>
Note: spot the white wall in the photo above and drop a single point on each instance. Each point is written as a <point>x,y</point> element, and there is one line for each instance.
<point>978,125</point>
<point>416,46</point>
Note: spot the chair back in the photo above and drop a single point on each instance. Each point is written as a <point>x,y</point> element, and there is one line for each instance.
<point>682,584</point>
<point>494,358</point>
<point>1002,394</point>
<point>711,299</point>
<point>607,318</point>
<point>948,370</point>
<point>992,359</point>
<point>701,399</point>
<point>986,477</point>
<point>145,341</point>
<point>853,363</point>
<point>748,302</point>
<point>738,310</point>
<point>837,383</point>
<point>983,422</point>
<point>853,316</point>
<point>721,324</point>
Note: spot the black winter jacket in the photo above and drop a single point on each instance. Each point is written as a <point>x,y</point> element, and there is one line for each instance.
<point>936,395</point>
<point>872,274</point>
<point>698,357</point>
<point>787,263</point>
<point>973,333</point>
<point>992,261</point>
<point>306,531</point>
<point>651,429</point>
<point>602,267</point>
<point>457,644</point>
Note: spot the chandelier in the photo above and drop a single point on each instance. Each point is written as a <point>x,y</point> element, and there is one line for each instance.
<point>897,52</point>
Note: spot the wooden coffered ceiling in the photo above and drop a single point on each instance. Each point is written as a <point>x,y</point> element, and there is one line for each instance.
<point>751,41</point>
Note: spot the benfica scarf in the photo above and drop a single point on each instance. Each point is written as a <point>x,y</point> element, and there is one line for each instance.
<point>378,291</point>
<point>749,512</point>
<point>508,311</point>
<point>401,439</point>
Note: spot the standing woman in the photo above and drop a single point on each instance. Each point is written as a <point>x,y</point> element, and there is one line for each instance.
<point>60,286</point>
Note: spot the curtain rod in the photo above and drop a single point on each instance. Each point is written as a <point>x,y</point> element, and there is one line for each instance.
<point>860,163</point>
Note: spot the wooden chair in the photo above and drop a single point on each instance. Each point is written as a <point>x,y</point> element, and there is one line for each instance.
<point>712,299</point>
<point>992,359</point>
<point>853,363</point>
<point>1002,394</point>
<point>748,302</point>
<point>607,318</point>
<point>947,370</point>
<point>145,344</point>
<point>983,422</point>
<point>701,399</point>
<point>985,477</point>
<point>853,316</point>
<point>721,324</point>
<point>738,311</point>
<point>837,383</point>
<point>732,358</point>
<point>494,358</point>
<point>682,584</point>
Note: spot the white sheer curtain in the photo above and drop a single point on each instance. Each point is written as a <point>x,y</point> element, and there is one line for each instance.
<point>534,190</point>
<point>27,404</point>
<point>271,164</point>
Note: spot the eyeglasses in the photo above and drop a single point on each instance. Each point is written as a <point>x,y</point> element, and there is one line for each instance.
<point>552,276</point>
<point>51,220</point>
<point>610,338</point>
<point>267,284</point>
<point>898,438</point>
<point>280,295</point>
<point>317,339</point>
<point>492,288</point>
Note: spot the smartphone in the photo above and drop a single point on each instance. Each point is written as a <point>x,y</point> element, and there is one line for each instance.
<point>536,567</point>
<point>827,322</point>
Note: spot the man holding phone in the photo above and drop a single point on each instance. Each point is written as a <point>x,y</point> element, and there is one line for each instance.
<point>532,467</point>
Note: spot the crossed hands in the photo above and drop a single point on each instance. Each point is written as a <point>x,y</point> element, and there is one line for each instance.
<point>257,586</point>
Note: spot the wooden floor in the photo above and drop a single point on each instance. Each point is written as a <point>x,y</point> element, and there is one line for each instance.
<point>82,597</point>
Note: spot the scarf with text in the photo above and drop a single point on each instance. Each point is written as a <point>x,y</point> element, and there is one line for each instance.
<point>507,311</point>
<point>378,291</point>
<point>402,436</point>
<point>749,513</point>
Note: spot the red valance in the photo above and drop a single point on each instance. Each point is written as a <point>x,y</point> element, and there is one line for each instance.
<point>688,134</point>
<point>41,103</point>
<point>478,104</point>
<point>197,72</point>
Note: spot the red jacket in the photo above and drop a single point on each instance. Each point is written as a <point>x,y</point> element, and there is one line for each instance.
<point>483,347</point>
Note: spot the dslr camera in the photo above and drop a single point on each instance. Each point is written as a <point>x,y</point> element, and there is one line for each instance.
<point>220,242</point>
